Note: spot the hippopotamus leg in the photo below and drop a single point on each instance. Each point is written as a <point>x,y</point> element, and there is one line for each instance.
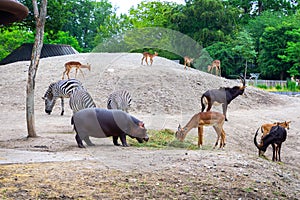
<point>115,140</point>
<point>123,140</point>
<point>88,141</point>
<point>79,141</point>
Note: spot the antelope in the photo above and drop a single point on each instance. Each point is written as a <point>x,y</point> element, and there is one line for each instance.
<point>265,128</point>
<point>201,119</point>
<point>276,137</point>
<point>187,61</point>
<point>221,96</point>
<point>77,65</point>
<point>151,56</point>
<point>217,65</point>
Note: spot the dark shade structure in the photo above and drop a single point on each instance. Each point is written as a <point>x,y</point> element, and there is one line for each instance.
<point>23,53</point>
<point>12,11</point>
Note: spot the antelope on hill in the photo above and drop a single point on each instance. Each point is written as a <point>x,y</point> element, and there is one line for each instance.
<point>77,65</point>
<point>187,61</point>
<point>147,55</point>
<point>216,64</point>
<point>201,119</point>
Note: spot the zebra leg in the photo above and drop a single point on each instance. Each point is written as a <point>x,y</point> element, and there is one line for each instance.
<point>79,141</point>
<point>115,140</point>
<point>88,141</point>
<point>62,106</point>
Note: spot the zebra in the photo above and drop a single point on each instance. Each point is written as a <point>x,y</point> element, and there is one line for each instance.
<point>120,100</point>
<point>80,99</point>
<point>60,89</point>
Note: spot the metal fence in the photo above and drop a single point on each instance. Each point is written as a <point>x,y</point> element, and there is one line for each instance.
<point>268,83</point>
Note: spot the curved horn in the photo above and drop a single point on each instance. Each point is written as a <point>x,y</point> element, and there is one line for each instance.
<point>243,80</point>
<point>255,141</point>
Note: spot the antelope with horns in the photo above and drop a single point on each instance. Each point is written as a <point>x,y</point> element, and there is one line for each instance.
<point>201,119</point>
<point>77,65</point>
<point>275,138</point>
<point>147,55</point>
<point>187,62</point>
<point>221,96</point>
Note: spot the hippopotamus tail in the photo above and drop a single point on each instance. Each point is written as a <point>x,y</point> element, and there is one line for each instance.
<point>72,123</point>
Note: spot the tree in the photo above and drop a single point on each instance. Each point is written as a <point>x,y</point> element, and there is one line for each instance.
<point>80,18</point>
<point>208,21</point>
<point>245,48</point>
<point>223,52</point>
<point>154,14</point>
<point>12,37</point>
<point>292,52</point>
<point>40,18</point>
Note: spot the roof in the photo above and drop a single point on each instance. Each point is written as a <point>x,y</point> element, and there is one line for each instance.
<point>23,52</point>
<point>11,11</point>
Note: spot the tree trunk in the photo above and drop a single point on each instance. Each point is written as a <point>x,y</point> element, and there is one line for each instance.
<point>40,19</point>
<point>246,67</point>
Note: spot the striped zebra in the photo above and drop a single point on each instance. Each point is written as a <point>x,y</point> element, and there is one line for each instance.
<point>60,89</point>
<point>81,99</point>
<point>120,100</point>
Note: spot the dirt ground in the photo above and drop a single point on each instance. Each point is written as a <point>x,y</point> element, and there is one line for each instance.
<point>51,166</point>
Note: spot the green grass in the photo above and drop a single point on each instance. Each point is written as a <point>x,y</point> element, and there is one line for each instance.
<point>291,87</point>
<point>163,139</point>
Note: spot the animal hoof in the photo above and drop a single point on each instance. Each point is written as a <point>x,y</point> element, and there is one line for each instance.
<point>81,146</point>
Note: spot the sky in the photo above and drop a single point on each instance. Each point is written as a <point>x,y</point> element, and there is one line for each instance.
<point>123,6</point>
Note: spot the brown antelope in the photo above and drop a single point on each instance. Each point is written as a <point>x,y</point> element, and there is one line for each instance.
<point>151,56</point>
<point>77,65</point>
<point>187,61</point>
<point>201,119</point>
<point>265,128</point>
<point>216,64</point>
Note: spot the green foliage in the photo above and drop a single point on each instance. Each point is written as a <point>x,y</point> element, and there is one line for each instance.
<point>208,21</point>
<point>12,38</point>
<point>273,44</point>
<point>64,38</point>
<point>292,52</point>
<point>154,14</point>
<point>278,87</point>
<point>80,18</point>
<point>262,86</point>
<point>162,139</point>
<point>291,86</point>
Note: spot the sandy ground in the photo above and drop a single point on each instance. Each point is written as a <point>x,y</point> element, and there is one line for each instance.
<point>164,95</point>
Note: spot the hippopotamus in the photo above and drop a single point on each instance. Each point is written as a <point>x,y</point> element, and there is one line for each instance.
<point>101,123</point>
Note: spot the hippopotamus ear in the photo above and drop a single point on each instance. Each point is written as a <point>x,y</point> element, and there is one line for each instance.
<point>141,124</point>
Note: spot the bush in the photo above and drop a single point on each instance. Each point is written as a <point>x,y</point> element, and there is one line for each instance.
<point>291,86</point>
<point>262,86</point>
<point>278,87</point>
